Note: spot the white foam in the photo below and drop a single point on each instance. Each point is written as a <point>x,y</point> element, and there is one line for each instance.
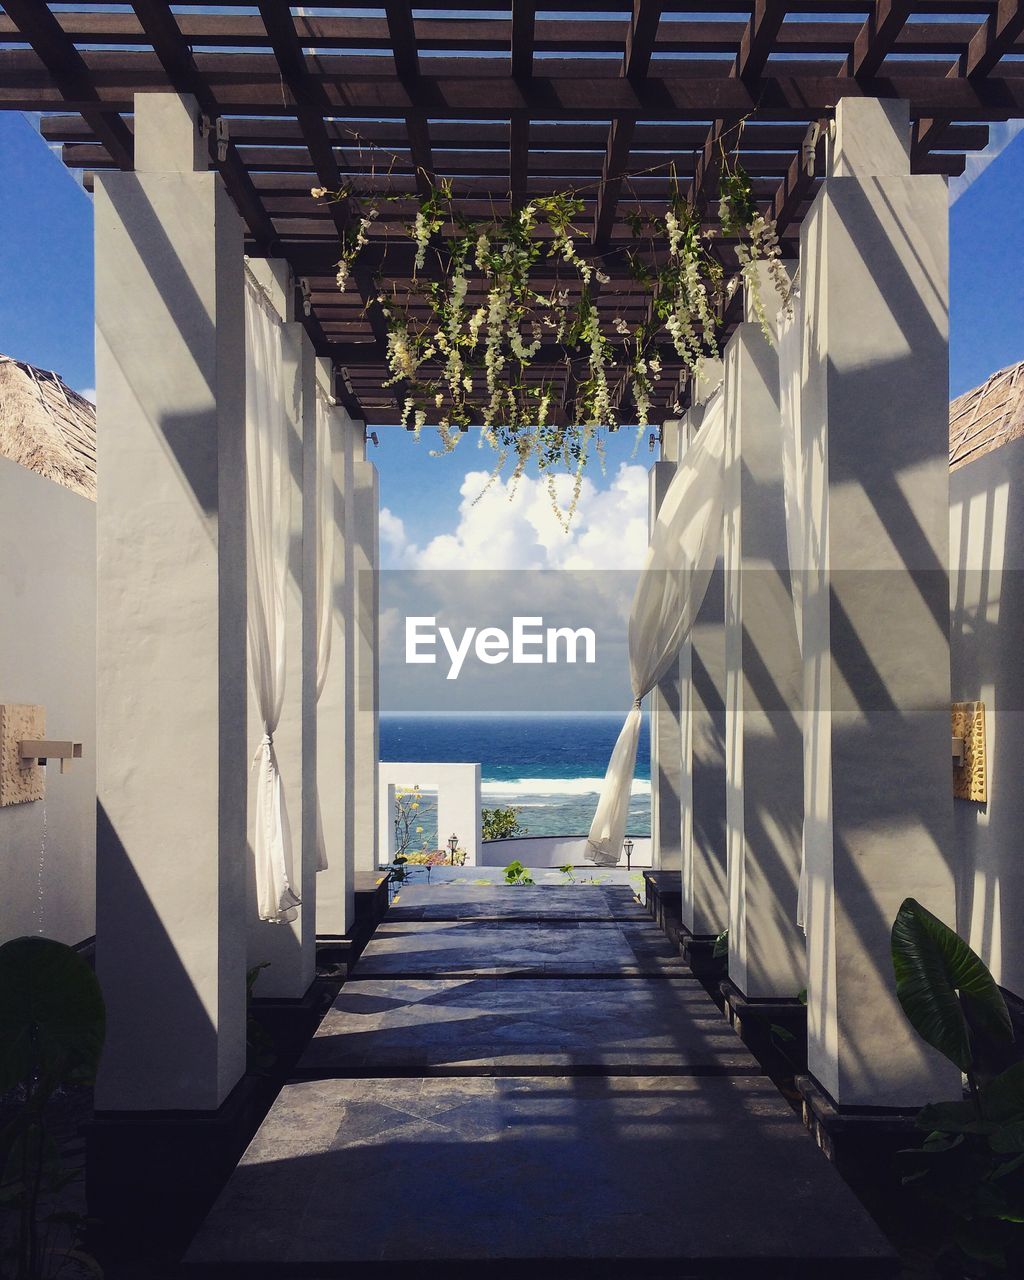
<point>557,787</point>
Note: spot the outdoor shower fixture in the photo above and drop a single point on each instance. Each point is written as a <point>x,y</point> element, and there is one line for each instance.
<point>24,751</point>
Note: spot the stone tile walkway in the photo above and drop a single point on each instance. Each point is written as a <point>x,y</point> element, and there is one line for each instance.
<point>531,1076</point>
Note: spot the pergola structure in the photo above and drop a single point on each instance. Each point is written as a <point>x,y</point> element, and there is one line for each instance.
<point>816,737</point>
<point>610,102</point>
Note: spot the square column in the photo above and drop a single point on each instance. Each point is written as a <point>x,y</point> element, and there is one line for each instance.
<point>764,788</point>
<point>290,948</point>
<point>172,759</point>
<point>705,899</point>
<point>876,618</point>
<point>365,515</point>
<point>335,887</point>
<point>666,707</point>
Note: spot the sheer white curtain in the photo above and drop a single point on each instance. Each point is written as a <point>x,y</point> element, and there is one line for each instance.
<point>268,496</point>
<point>684,546</point>
<point>324,576</point>
<point>790,388</point>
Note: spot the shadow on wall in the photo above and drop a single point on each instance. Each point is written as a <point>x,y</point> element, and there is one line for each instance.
<point>986,625</point>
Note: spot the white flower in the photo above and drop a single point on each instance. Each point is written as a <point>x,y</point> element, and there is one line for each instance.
<point>602,277</point>
<point>621,326</point>
<point>318,193</point>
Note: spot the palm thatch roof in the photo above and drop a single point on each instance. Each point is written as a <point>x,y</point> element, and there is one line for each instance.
<point>987,417</point>
<point>47,427</point>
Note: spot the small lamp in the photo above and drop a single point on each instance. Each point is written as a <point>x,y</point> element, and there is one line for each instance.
<point>627,849</point>
<point>453,844</point>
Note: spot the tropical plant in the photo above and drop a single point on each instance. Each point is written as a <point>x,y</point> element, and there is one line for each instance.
<point>516,873</point>
<point>567,871</point>
<point>971,1163</point>
<point>502,824</point>
<point>720,950</point>
<point>52,1028</point>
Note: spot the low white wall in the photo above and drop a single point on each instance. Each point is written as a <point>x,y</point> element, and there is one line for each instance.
<point>458,803</point>
<point>48,657</point>
<point>987,663</point>
<point>554,851</point>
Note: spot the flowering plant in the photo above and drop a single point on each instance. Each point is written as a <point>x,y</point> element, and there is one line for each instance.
<point>501,292</point>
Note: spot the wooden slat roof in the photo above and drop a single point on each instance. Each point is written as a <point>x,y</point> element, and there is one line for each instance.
<point>987,417</point>
<point>505,102</point>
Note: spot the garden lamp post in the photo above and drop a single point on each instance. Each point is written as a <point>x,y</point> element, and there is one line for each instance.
<point>627,849</point>
<point>453,844</point>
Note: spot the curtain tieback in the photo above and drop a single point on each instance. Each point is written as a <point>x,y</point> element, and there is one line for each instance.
<point>267,741</point>
<point>637,702</point>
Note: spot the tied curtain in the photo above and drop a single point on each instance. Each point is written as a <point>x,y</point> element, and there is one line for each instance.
<point>268,498</point>
<point>790,387</point>
<point>324,578</point>
<point>685,544</point>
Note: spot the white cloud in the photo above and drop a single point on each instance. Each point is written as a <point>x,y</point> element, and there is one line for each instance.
<point>89,393</point>
<point>506,527</point>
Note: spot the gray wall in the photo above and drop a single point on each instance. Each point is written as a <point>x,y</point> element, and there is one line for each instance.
<point>987,662</point>
<point>48,656</point>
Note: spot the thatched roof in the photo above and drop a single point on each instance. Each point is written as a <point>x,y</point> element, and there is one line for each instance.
<point>987,417</point>
<point>47,427</point>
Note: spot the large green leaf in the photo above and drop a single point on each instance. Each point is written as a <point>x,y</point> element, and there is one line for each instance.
<point>938,976</point>
<point>52,1019</point>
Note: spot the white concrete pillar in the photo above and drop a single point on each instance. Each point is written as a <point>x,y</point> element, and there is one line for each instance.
<point>365,514</point>
<point>171,671</point>
<point>705,898</point>
<point>290,949</point>
<point>666,709</point>
<point>335,888</point>
<point>876,633</point>
<point>764,788</point>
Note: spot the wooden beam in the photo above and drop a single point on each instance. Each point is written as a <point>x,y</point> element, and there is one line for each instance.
<point>993,38</point>
<point>402,31</point>
<point>877,37</point>
<point>175,57</point>
<point>518,159</point>
<point>65,64</point>
<point>758,39</point>
<point>522,38</point>
<point>801,94</point>
<point>636,61</point>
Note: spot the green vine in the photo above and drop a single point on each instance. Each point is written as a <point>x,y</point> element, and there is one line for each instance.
<point>463,339</point>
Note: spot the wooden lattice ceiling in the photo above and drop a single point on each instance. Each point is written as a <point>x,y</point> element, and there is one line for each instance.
<point>589,95</point>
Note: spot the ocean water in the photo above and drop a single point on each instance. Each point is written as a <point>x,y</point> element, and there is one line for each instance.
<point>551,767</point>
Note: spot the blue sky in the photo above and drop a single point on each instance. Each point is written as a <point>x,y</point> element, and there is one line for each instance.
<point>46,318</point>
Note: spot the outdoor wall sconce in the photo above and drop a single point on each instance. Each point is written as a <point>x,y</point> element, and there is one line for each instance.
<point>24,751</point>
<point>970,771</point>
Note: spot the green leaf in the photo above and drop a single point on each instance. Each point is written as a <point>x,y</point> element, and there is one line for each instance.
<point>937,977</point>
<point>52,1018</point>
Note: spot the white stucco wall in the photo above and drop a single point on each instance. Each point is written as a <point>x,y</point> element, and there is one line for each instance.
<point>986,626</point>
<point>48,657</point>
<point>555,851</point>
<point>458,802</point>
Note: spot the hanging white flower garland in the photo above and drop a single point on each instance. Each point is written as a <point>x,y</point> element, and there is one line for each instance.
<point>465,365</point>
